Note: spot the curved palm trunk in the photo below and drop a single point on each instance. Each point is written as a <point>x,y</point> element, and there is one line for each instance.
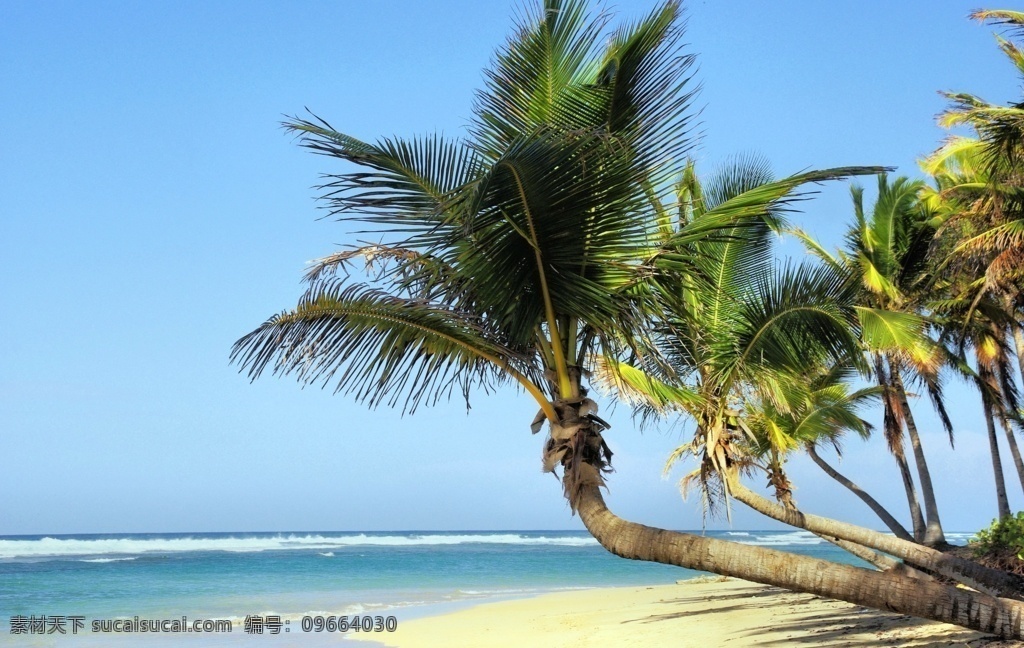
<point>993,581</point>
<point>784,494</point>
<point>886,517</point>
<point>933,534</point>
<point>890,591</point>
<point>879,560</point>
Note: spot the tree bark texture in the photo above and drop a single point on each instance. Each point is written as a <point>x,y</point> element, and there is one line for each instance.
<point>970,573</point>
<point>890,591</point>
<point>915,507</point>
<point>894,436</point>
<point>1011,440</point>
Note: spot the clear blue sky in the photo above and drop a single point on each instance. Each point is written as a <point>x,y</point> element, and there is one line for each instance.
<point>152,212</point>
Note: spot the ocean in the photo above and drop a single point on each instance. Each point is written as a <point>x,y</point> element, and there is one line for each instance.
<point>303,580</point>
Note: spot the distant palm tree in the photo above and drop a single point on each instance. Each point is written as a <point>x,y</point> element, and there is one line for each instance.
<point>525,251</point>
<point>982,326</point>
<point>886,256</point>
<point>815,408</point>
<point>981,180</point>
<point>739,334</point>
<point>978,200</point>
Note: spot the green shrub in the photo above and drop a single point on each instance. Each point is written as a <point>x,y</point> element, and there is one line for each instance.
<point>1001,545</point>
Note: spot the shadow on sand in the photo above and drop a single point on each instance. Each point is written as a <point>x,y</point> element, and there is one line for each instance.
<point>795,624</point>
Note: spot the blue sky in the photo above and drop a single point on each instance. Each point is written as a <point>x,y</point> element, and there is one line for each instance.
<point>152,212</point>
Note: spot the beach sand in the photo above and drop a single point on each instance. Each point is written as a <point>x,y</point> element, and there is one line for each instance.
<point>703,613</point>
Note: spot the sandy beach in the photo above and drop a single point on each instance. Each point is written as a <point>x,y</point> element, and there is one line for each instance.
<point>700,613</point>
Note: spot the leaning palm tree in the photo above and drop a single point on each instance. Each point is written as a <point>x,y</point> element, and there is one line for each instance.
<point>522,252</point>
<point>801,411</point>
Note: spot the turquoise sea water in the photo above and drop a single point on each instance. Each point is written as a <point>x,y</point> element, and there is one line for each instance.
<point>292,575</point>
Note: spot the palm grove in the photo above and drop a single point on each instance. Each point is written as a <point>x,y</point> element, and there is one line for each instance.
<point>567,242</point>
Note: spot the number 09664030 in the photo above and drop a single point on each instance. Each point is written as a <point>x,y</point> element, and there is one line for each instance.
<point>365,623</point>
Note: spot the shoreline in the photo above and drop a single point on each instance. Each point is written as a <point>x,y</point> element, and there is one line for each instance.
<point>702,612</point>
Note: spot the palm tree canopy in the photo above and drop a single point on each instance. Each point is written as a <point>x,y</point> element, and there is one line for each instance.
<point>980,184</point>
<point>537,222</point>
<point>527,247</point>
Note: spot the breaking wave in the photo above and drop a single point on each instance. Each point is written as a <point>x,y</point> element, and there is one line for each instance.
<point>50,547</point>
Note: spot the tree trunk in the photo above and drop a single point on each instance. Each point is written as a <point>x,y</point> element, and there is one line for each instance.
<point>933,535</point>
<point>1002,502</point>
<point>987,385</point>
<point>893,435</point>
<point>915,507</point>
<point>1011,439</point>
<point>879,560</point>
<point>879,510</point>
<point>970,573</point>
<point>888,591</point>
<point>1018,342</point>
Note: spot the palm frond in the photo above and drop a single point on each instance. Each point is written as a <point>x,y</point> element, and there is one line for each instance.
<point>641,390</point>
<point>645,75</point>
<point>538,78</point>
<point>408,185</point>
<point>1012,19</point>
<point>792,317</point>
<point>379,348</point>
<point>557,217</point>
<point>900,333</point>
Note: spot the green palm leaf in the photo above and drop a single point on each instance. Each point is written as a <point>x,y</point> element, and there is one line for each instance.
<point>378,348</point>
<point>408,181</point>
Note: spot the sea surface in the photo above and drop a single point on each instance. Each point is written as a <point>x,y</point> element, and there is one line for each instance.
<point>309,574</point>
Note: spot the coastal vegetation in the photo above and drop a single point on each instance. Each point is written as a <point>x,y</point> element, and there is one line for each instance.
<point>569,242</point>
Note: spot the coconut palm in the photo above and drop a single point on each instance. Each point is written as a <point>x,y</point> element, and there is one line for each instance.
<point>886,255</point>
<point>804,410</point>
<point>519,254</point>
<point>738,331</point>
<point>982,326</point>
<point>817,408</point>
<point>981,178</point>
<point>979,202</point>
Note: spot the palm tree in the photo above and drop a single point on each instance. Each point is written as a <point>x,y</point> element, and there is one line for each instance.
<point>983,325</point>
<point>801,411</point>
<point>886,255</point>
<point>979,202</point>
<point>738,331</point>
<point>816,408</point>
<point>980,184</point>
<point>519,254</point>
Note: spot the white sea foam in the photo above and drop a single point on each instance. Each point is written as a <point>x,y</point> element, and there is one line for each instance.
<point>107,547</point>
<point>327,554</point>
<point>782,539</point>
<point>959,538</point>
<point>495,592</point>
<point>513,591</point>
<point>105,560</point>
